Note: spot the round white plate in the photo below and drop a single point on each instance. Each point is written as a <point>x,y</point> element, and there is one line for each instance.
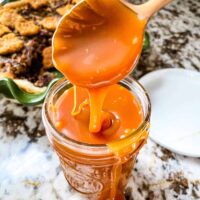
<point>175,119</point>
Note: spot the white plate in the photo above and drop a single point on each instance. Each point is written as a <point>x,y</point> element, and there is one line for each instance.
<point>175,119</point>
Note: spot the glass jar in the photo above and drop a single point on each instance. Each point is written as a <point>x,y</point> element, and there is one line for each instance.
<point>95,170</point>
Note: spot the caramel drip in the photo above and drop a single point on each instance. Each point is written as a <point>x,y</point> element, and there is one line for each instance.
<point>78,108</point>
<point>99,120</point>
<point>128,144</point>
<point>115,177</point>
<point>96,98</point>
<point>121,149</point>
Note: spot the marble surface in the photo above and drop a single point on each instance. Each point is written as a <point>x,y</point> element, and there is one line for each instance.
<point>29,169</point>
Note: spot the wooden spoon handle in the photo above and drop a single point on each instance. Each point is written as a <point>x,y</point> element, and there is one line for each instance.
<point>147,9</point>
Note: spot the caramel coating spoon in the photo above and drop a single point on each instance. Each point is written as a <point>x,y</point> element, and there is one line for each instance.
<point>98,42</point>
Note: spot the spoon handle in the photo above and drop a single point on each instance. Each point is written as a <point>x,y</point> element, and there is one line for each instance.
<point>147,9</point>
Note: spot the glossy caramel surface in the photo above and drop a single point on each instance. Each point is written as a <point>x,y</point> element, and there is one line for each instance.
<point>98,43</point>
<point>119,104</point>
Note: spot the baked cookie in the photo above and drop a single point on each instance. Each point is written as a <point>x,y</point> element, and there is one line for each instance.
<point>26,30</point>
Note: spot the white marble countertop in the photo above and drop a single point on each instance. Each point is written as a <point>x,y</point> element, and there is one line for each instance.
<point>29,169</point>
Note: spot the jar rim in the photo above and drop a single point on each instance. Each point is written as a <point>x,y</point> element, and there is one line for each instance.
<point>65,139</point>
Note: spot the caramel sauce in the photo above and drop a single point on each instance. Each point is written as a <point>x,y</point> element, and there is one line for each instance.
<point>95,45</point>
<point>125,118</point>
<point>98,43</point>
<point>119,105</point>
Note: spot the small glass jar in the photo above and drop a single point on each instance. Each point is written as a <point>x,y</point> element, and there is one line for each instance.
<point>95,170</point>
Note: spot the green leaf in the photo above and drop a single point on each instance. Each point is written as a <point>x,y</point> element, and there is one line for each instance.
<point>146,42</point>
<point>10,90</point>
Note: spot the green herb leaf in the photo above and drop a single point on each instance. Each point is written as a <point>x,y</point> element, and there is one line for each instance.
<point>146,42</point>
<point>9,89</point>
